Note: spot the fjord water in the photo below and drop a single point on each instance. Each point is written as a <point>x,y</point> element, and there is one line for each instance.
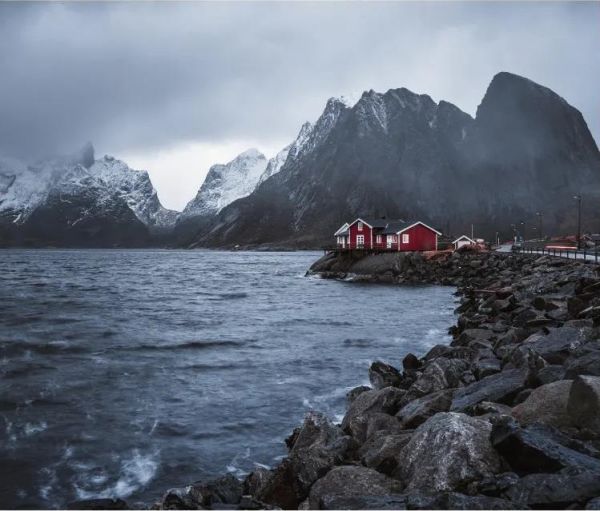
<point>124,373</point>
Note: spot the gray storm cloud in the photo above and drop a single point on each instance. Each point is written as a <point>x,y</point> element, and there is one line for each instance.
<point>140,76</point>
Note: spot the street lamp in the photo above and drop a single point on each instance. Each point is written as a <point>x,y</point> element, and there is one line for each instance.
<point>540,216</point>
<point>578,199</point>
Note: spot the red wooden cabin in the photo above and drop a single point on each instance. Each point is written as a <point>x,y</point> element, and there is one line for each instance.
<point>383,234</point>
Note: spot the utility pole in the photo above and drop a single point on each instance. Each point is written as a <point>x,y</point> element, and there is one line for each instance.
<point>578,199</point>
<point>472,235</point>
<point>540,216</point>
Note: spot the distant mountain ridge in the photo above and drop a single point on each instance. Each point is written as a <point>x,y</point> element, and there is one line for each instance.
<point>396,154</point>
<point>400,154</point>
<point>79,201</point>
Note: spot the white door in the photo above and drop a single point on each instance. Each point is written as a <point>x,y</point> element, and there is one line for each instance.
<point>390,239</point>
<point>360,241</point>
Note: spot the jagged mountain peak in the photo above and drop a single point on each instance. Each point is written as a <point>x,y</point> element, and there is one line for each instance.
<point>227,182</point>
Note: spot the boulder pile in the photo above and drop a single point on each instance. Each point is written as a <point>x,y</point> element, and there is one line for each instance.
<point>505,417</point>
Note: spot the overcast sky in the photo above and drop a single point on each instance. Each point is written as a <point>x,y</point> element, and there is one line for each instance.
<point>176,87</point>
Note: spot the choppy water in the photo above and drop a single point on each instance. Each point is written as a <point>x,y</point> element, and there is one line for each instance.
<point>124,373</point>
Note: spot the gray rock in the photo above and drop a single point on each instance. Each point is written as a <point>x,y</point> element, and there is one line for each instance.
<point>557,345</point>
<point>474,334</point>
<point>485,366</point>
<point>448,500</point>
<point>256,481</point>
<point>588,363</point>
<point>546,404</point>
<point>419,410</point>
<point>382,451</point>
<point>584,402</point>
<point>439,374</point>
<point>448,451</point>
<point>500,388</point>
<point>548,374</point>
<point>411,363</point>
<point>383,375</point>
<point>593,504</point>
<point>222,490</point>
<point>355,392</point>
<point>555,490</point>
<point>533,449</point>
<point>356,420</point>
<point>351,481</point>
<point>316,448</point>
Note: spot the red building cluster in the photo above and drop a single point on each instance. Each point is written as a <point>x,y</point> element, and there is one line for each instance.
<point>383,234</point>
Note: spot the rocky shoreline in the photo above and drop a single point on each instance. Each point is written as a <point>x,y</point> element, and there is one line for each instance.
<point>505,417</point>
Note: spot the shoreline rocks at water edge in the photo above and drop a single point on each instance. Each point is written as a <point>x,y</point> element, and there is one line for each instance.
<point>505,417</point>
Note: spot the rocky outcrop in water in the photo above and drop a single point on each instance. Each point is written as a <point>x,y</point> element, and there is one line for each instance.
<point>505,417</point>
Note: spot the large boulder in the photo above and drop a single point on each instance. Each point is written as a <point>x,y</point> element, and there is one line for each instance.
<point>500,388</point>
<point>584,402</point>
<point>221,491</point>
<point>350,481</point>
<point>382,451</point>
<point>416,500</point>
<point>447,452</point>
<point>419,410</point>
<point>383,375</point>
<point>315,449</point>
<point>536,449</point>
<point>555,491</point>
<point>559,343</point>
<point>365,405</point>
<point>546,404</point>
<point>439,374</point>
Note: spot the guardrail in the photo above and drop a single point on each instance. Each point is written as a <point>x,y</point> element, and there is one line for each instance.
<point>564,252</point>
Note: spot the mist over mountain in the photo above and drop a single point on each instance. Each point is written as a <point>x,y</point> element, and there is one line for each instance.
<point>79,201</point>
<point>400,154</point>
<point>396,154</point>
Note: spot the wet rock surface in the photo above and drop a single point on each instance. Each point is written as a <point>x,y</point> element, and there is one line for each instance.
<point>506,417</point>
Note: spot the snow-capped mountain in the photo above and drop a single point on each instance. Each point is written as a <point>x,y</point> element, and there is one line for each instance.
<point>226,183</point>
<point>78,190</point>
<point>136,188</point>
<point>402,155</point>
<point>289,152</point>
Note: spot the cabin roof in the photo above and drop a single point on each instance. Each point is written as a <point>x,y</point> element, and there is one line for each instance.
<point>464,237</point>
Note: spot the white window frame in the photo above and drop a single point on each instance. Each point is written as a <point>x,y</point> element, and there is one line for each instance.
<point>405,239</point>
<point>359,226</point>
<point>378,239</point>
<point>360,240</point>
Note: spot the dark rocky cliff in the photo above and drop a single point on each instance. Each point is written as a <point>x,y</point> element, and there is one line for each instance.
<point>400,154</point>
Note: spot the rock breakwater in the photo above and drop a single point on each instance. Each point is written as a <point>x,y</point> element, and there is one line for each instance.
<point>505,417</point>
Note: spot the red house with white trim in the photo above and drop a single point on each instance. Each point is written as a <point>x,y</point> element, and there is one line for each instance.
<point>383,234</point>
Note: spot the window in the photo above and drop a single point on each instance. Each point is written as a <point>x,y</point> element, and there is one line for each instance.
<point>360,226</point>
<point>390,239</point>
<point>405,238</point>
<point>360,240</point>
<point>378,238</point>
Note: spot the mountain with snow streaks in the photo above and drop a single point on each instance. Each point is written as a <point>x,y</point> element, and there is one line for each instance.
<point>402,155</point>
<point>77,200</point>
<point>226,183</point>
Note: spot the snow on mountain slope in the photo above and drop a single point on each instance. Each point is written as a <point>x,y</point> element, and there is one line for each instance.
<point>25,187</point>
<point>289,152</point>
<point>226,183</point>
<point>137,190</point>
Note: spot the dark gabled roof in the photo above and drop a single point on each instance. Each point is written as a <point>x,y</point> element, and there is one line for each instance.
<point>376,223</point>
<point>394,226</point>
